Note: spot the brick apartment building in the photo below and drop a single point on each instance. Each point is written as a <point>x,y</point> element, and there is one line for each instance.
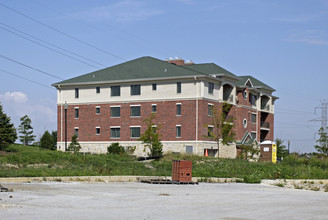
<point>109,105</point>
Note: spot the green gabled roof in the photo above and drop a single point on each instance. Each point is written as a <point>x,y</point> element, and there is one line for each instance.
<point>257,84</point>
<point>210,68</point>
<point>145,68</point>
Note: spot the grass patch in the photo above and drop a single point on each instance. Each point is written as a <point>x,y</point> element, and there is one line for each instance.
<point>31,161</point>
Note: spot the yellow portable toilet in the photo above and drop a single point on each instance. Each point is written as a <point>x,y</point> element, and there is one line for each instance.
<point>268,151</point>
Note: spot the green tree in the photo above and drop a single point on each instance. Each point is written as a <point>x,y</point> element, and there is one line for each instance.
<point>282,151</point>
<point>8,133</point>
<point>151,137</point>
<point>116,148</point>
<point>222,125</point>
<point>26,130</point>
<point>74,145</point>
<point>54,138</point>
<point>46,140</point>
<point>323,142</point>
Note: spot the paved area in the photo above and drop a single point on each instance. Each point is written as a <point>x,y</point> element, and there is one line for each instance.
<point>58,200</point>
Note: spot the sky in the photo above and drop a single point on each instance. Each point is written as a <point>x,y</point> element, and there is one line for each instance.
<point>283,43</point>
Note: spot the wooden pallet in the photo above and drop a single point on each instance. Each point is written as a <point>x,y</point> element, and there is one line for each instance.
<point>165,181</point>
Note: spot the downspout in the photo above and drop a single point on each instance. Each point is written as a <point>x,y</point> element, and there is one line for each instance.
<point>196,113</point>
<point>61,117</point>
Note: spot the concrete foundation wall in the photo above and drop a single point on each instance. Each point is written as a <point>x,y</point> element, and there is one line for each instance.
<point>198,148</point>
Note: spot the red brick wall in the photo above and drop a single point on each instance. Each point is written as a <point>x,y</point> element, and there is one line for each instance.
<point>166,115</point>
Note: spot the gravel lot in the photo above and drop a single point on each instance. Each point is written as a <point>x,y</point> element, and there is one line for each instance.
<point>58,200</point>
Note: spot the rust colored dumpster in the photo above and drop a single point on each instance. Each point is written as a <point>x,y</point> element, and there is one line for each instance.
<point>181,170</point>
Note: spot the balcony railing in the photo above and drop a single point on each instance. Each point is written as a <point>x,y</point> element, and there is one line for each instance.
<point>229,118</point>
<point>265,107</point>
<point>265,124</point>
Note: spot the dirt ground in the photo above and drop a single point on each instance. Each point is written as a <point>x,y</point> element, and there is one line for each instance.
<point>79,200</point>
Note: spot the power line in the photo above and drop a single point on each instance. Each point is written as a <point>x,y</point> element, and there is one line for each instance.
<point>116,29</point>
<point>292,110</point>
<point>40,84</point>
<point>61,32</point>
<point>50,45</point>
<point>15,61</point>
<point>49,48</point>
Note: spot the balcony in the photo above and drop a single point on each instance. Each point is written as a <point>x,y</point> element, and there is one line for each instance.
<point>265,125</point>
<point>265,107</point>
<point>229,118</point>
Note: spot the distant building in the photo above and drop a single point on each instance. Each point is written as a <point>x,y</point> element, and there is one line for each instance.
<point>109,105</point>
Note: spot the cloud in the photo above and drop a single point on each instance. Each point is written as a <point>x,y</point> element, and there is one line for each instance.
<point>16,97</point>
<point>124,11</point>
<point>42,112</point>
<point>315,37</point>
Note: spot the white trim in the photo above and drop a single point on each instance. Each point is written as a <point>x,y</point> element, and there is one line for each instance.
<point>115,127</point>
<point>135,126</point>
<point>210,104</point>
<point>178,104</point>
<point>97,106</point>
<point>153,104</point>
<point>76,127</point>
<point>76,107</point>
<point>115,106</point>
<point>135,105</point>
<point>210,126</point>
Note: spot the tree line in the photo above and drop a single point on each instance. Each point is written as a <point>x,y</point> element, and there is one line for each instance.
<point>8,133</point>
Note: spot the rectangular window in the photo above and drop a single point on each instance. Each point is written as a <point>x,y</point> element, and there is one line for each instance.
<point>115,132</point>
<point>153,108</point>
<point>97,130</point>
<point>115,112</point>
<point>76,132</point>
<point>115,90</point>
<point>210,109</point>
<point>76,113</point>
<point>253,118</point>
<point>97,110</point>
<point>253,134</point>
<point>252,99</point>
<point>135,89</point>
<point>154,85</point>
<point>154,128</point>
<point>178,131</point>
<point>210,130</point>
<point>210,88</point>
<point>178,87</point>
<point>179,109</point>
<point>76,93</point>
<point>189,149</point>
<point>134,132</point>
<point>97,89</point>
<point>134,111</point>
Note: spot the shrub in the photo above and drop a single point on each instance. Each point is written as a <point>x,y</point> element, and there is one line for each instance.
<point>74,145</point>
<point>116,148</point>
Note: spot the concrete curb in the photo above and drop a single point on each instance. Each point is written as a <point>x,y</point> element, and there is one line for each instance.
<point>107,179</point>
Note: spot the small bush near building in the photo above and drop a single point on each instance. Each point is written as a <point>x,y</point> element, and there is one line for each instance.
<point>116,148</point>
<point>74,145</point>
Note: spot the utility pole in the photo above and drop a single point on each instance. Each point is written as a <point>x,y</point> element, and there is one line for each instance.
<point>323,119</point>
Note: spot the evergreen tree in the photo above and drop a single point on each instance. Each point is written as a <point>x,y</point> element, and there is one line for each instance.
<point>323,141</point>
<point>54,138</point>
<point>74,145</point>
<point>8,133</point>
<point>151,137</point>
<point>46,140</point>
<point>26,130</point>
